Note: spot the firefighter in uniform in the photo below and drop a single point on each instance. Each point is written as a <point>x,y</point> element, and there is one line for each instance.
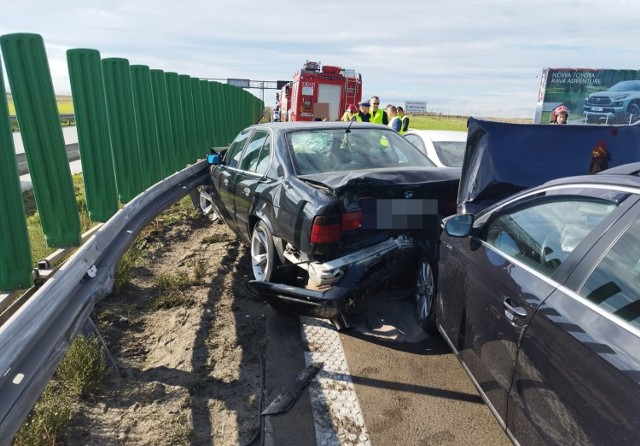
<point>378,115</point>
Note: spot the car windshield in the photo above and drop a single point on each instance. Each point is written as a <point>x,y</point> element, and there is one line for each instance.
<point>626,86</point>
<point>451,153</point>
<point>332,150</point>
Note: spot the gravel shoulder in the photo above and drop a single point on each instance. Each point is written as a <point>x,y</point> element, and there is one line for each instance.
<point>189,359</point>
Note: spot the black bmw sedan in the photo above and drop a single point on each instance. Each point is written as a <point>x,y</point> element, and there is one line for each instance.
<point>333,211</point>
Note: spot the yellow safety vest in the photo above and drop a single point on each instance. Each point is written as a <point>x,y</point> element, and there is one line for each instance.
<point>377,117</point>
<point>402,130</point>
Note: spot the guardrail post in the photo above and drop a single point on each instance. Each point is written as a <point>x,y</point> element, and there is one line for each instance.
<point>15,256</point>
<point>177,121</point>
<point>35,101</point>
<point>87,87</point>
<point>146,124</point>
<point>122,127</point>
<point>167,152</point>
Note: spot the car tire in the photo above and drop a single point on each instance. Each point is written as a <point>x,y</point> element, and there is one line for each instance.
<point>264,258</point>
<point>424,296</point>
<point>633,113</point>
<point>201,199</point>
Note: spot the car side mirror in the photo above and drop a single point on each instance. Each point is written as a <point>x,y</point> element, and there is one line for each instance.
<point>213,159</point>
<point>459,225</point>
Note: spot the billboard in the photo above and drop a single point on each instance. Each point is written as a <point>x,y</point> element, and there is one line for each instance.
<point>593,95</point>
<point>415,107</point>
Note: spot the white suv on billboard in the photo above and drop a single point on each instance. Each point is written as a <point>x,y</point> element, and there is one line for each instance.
<point>620,104</point>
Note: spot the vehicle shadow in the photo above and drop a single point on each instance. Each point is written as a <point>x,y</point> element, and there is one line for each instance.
<point>390,321</point>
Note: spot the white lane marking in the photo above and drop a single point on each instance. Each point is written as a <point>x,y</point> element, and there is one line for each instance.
<point>336,410</point>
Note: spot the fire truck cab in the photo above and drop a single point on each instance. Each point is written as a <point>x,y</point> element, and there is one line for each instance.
<point>319,93</point>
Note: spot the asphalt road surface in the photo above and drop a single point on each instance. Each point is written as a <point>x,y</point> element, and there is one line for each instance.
<point>410,387</point>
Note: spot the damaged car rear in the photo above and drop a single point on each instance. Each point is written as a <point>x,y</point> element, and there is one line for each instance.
<point>333,212</point>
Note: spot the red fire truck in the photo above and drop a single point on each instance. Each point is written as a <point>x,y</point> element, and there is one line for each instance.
<point>319,92</point>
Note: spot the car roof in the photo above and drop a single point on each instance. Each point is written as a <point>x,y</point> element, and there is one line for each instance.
<point>440,135</point>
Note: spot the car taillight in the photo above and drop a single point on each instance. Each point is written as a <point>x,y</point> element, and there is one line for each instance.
<point>325,229</point>
<point>352,220</point>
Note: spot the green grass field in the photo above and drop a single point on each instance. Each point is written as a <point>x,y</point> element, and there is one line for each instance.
<point>65,105</point>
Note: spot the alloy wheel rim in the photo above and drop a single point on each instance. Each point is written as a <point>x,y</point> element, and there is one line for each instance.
<point>424,290</point>
<point>259,254</point>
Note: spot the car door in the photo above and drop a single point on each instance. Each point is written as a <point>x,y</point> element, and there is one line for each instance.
<point>511,264</point>
<point>224,177</point>
<point>253,165</point>
<point>577,378</point>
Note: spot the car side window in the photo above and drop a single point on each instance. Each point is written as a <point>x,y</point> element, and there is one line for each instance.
<point>232,157</point>
<point>543,233</point>
<point>415,140</point>
<point>265,157</point>
<point>613,284</point>
<point>252,152</point>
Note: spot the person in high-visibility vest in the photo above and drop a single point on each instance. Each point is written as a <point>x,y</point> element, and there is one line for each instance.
<point>377,115</point>
<point>363,114</point>
<point>394,122</point>
<point>404,118</point>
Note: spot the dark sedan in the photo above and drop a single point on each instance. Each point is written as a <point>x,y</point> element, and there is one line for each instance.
<point>538,293</point>
<point>332,212</point>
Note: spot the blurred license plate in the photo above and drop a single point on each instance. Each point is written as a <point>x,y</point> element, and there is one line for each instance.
<point>597,108</point>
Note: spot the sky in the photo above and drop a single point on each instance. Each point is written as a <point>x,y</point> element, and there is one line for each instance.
<point>478,58</point>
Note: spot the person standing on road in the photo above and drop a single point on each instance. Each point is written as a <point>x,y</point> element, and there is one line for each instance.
<point>404,118</point>
<point>377,115</point>
<point>394,121</point>
<point>363,114</point>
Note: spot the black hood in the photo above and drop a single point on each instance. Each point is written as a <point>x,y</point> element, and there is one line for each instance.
<point>503,158</point>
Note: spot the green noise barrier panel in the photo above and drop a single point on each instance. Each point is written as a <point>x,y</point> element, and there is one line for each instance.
<point>189,117</point>
<point>122,128</point>
<point>36,109</point>
<point>146,124</point>
<point>87,89</point>
<point>177,120</point>
<point>229,114</point>
<point>167,152</point>
<point>217,112</point>
<point>208,114</point>
<point>198,109</point>
<point>15,256</point>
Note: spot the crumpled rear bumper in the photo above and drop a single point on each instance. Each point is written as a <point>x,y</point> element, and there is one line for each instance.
<point>365,273</point>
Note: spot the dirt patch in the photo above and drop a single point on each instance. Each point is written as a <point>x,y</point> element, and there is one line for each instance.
<point>189,356</point>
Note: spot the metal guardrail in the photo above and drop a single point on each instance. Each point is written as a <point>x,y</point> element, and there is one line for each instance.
<point>35,338</point>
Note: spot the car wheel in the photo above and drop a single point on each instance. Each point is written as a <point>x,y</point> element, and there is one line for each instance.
<point>264,259</point>
<point>201,199</point>
<point>424,295</point>
<point>633,113</point>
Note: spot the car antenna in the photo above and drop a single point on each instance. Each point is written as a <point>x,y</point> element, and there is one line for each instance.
<point>348,130</point>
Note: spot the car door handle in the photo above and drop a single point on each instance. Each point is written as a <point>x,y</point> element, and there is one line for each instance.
<point>512,310</point>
